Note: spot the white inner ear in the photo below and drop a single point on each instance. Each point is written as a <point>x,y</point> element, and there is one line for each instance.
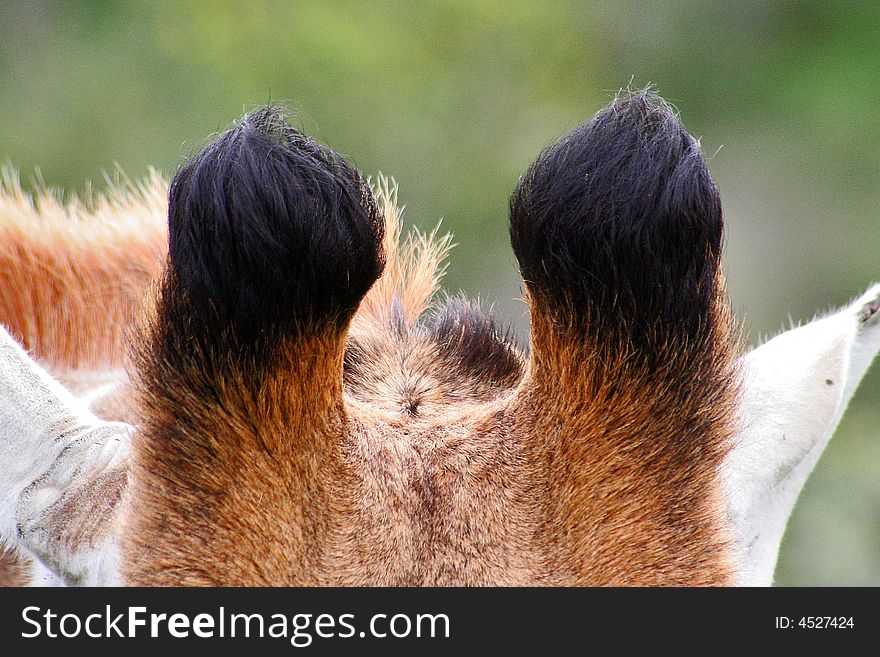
<point>796,388</point>
<point>62,473</point>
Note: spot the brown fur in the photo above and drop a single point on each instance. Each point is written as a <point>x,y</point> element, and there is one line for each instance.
<point>72,279</point>
<point>73,274</point>
<point>414,267</point>
<point>630,455</point>
<point>383,457</point>
<point>14,570</point>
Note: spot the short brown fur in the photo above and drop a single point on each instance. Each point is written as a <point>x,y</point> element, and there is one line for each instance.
<point>73,275</point>
<point>394,468</point>
<point>411,474</point>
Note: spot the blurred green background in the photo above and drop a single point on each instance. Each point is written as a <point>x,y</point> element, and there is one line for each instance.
<point>455,99</point>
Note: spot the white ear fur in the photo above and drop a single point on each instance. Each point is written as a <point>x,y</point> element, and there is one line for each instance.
<point>62,473</point>
<point>796,389</point>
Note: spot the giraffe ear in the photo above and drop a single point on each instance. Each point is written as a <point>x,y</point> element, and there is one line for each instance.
<point>796,388</point>
<point>63,473</point>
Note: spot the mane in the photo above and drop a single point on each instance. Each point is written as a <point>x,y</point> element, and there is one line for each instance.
<point>414,266</point>
<point>74,272</point>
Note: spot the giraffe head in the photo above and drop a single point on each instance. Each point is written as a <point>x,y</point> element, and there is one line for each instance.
<point>299,410</point>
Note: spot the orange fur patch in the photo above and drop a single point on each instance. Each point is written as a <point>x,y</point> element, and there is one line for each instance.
<point>73,273</point>
<point>413,268</point>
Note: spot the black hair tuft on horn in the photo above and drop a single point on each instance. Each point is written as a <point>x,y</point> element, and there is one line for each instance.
<point>270,232</point>
<point>618,225</point>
